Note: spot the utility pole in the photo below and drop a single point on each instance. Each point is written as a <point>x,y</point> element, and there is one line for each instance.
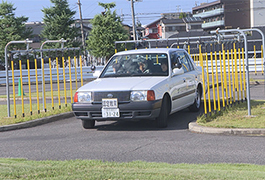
<point>81,24</point>
<point>133,20</point>
<point>178,7</point>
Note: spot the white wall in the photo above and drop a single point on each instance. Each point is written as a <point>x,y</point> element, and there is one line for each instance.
<point>257,13</point>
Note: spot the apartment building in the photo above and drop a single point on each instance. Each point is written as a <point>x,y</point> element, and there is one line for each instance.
<point>257,13</point>
<point>224,14</point>
<point>169,25</point>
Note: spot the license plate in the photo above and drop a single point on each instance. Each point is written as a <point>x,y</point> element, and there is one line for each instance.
<point>110,112</point>
<point>110,107</point>
<point>110,103</point>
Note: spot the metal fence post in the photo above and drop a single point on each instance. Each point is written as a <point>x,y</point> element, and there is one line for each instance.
<point>7,75</point>
<point>246,56</point>
<point>62,41</point>
<point>263,41</point>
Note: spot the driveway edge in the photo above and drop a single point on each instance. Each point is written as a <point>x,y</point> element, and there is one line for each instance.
<point>36,122</point>
<point>194,127</point>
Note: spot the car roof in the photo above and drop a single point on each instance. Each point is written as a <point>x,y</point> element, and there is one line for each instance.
<point>150,50</point>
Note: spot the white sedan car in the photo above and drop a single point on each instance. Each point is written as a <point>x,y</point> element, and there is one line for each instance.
<point>141,84</point>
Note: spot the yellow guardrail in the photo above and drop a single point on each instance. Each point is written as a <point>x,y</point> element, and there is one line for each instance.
<point>66,72</point>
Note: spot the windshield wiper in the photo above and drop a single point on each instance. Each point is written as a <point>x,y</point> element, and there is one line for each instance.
<point>110,75</point>
<point>117,75</point>
<point>129,75</point>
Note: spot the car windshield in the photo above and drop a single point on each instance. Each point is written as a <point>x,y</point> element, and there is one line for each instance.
<point>144,64</point>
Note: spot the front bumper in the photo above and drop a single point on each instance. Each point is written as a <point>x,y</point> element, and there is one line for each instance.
<point>128,111</point>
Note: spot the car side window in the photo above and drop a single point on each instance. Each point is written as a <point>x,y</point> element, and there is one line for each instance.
<point>186,66</point>
<point>174,57</point>
<point>189,62</point>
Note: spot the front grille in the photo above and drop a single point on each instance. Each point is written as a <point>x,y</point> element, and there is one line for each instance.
<point>143,113</point>
<point>120,95</point>
<point>80,113</point>
<point>96,114</point>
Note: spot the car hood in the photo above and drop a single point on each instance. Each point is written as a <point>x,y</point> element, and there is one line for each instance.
<point>122,84</point>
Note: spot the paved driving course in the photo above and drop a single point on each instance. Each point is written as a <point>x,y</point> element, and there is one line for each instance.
<point>129,141</point>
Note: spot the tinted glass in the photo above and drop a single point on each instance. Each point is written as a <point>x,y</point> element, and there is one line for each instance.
<point>151,64</point>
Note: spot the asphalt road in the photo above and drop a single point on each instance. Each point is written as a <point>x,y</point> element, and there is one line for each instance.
<point>130,141</point>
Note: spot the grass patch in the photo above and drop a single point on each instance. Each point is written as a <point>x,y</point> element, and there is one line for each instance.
<point>5,120</point>
<point>37,112</point>
<point>237,117</point>
<point>94,169</point>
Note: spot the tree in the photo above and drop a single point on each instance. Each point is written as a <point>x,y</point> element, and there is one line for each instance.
<point>182,15</point>
<point>58,23</point>
<point>106,29</point>
<point>12,28</point>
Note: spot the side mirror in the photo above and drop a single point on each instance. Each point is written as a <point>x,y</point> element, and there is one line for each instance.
<point>178,65</point>
<point>177,71</point>
<point>93,68</point>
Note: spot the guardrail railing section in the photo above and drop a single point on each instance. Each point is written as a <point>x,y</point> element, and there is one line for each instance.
<point>225,75</point>
<point>44,79</point>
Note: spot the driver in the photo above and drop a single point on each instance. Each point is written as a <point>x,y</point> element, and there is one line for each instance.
<point>142,66</point>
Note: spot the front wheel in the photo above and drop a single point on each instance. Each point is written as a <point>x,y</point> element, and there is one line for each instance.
<point>195,107</point>
<point>161,120</point>
<point>88,124</point>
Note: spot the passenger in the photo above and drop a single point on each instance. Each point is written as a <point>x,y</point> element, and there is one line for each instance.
<point>164,66</point>
<point>145,66</point>
<point>142,66</point>
<point>116,67</point>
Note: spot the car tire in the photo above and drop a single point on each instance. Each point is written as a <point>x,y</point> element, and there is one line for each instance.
<point>195,107</point>
<point>161,120</point>
<point>88,124</point>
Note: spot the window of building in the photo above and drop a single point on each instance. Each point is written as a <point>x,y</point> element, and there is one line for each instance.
<point>154,30</point>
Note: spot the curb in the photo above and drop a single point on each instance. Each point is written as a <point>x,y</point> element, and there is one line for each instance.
<point>36,122</point>
<point>194,127</point>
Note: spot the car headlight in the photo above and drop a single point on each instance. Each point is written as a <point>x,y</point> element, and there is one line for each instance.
<point>142,95</point>
<point>83,97</point>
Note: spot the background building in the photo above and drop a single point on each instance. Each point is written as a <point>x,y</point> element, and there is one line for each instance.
<point>257,13</point>
<point>174,24</point>
<point>184,27</point>
<point>36,28</point>
<point>224,14</point>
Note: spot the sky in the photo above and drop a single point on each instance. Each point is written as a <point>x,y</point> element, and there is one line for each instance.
<point>146,11</point>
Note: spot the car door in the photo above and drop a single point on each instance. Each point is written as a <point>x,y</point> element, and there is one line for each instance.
<point>178,85</point>
<point>185,84</point>
<point>190,77</point>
